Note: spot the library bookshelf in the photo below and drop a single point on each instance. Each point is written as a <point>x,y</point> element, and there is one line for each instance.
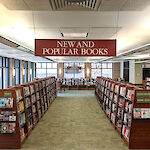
<point>128,108</point>
<point>21,108</point>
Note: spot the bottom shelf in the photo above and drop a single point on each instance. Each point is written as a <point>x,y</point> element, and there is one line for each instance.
<point>118,129</point>
<point>23,138</point>
<point>126,140</point>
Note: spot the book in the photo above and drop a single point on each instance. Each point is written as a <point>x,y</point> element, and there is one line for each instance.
<point>123,91</point>
<point>37,95</point>
<point>34,109</point>
<point>18,94</point>
<point>32,89</point>
<point>22,119</point>
<point>115,98</point>
<point>6,102</point>
<point>117,89</point>
<point>29,112</point>
<point>26,91</point>
<point>144,113</point>
<point>28,102</point>
<point>137,113</point>
<point>43,83</point>
<point>36,87</point>
<point>33,99</point>
<point>130,95</point>
<point>21,106</point>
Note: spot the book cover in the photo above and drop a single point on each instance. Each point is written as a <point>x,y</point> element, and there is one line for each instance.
<point>3,102</point>
<point>137,113</point>
<point>144,113</point>
<point>26,91</point>
<point>4,127</point>
<point>32,89</point>
<point>11,127</point>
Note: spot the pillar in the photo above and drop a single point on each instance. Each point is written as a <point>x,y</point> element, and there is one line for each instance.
<point>87,70</point>
<point>11,71</point>
<point>116,70</point>
<point>60,70</point>
<point>29,71</point>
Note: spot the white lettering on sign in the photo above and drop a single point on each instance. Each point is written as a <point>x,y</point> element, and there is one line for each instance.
<point>88,44</point>
<point>95,51</point>
<point>75,51</point>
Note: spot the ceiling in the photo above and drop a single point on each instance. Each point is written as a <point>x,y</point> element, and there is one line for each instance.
<point>128,21</point>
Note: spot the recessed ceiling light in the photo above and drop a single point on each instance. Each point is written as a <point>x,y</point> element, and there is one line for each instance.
<point>74,35</point>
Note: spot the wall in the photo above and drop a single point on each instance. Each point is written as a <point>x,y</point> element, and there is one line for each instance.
<point>116,70</point>
<point>60,70</point>
<point>138,73</point>
<point>121,69</point>
<point>132,71</point>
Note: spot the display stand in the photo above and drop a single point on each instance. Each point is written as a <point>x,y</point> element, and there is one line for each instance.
<point>128,108</point>
<point>21,108</point>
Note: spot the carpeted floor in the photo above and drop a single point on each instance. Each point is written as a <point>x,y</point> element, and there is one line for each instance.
<point>75,121</point>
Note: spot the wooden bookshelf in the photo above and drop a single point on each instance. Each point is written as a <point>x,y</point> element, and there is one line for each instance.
<point>128,108</point>
<point>21,108</point>
<point>78,84</point>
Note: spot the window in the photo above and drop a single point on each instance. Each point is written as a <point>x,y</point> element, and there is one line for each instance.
<point>4,72</point>
<point>101,69</point>
<point>32,70</point>
<point>17,72</point>
<point>74,73</point>
<point>45,69</point>
<point>26,71</point>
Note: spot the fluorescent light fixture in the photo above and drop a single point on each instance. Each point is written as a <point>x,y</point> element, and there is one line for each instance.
<point>74,35</point>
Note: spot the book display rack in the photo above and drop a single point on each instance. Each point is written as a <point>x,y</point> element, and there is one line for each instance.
<point>75,83</point>
<point>128,108</point>
<point>21,108</point>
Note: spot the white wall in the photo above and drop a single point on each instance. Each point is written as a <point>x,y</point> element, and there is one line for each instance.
<point>121,69</point>
<point>132,71</point>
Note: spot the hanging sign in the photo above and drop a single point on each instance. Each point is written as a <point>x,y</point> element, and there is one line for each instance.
<point>56,47</point>
<point>73,68</point>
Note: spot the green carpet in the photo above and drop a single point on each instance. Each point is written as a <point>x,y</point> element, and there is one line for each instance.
<point>75,121</point>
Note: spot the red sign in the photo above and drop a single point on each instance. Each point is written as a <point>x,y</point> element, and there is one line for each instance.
<point>54,47</point>
<point>73,68</point>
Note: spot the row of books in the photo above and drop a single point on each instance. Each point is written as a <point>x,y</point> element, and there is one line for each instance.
<point>6,102</point>
<point>7,128</point>
<point>20,106</point>
<point>22,120</point>
<point>26,91</point>
<point>28,102</point>
<point>18,94</point>
<point>125,131</point>
<point>32,89</point>
<point>8,116</point>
